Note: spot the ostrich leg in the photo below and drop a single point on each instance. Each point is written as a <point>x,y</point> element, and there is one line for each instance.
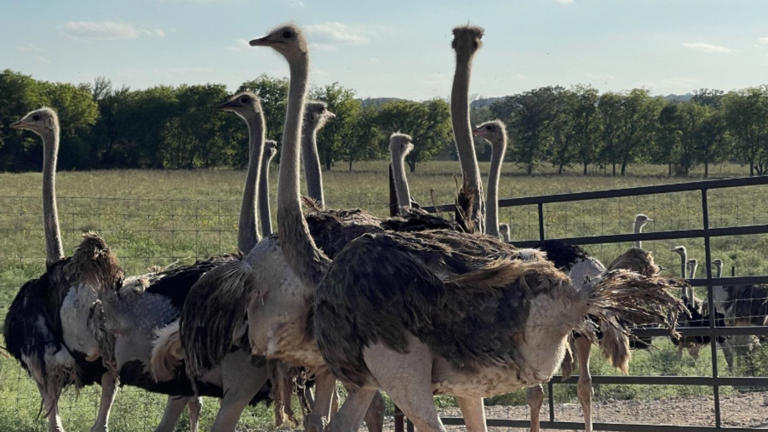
<point>535,400</point>
<point>54,421</point>
<point>584,387</point>
<point>374,417</point>
<point>325,384</point>
<point>411,374</point>
<point>240,381</point>
<point>173,409</point>
<point>474,413</point>
<point>108,392</point>
<point>352,411</point>
<point>195,405</point>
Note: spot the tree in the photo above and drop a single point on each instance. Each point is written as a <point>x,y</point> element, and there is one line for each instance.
<point>335,141</point>
<point>668,136</point>
<point>638,116</point>
<point>745,113</point>
<point>529,116</point>
<point>428,123</point>
<point>582,108</point>
<point>690,117</point>
<point>610,107</point>
<point>712,140</point>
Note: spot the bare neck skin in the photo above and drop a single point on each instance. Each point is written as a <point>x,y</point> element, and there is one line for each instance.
<point>312,163</point>
<point>265,216</point>
<point>683,259</point>
<point>462,132</point>
<point>638,228</point>
<point>296,242</point>
<point>492,212</point>
<point>53,248</point>
<point>401,182</point>
<point>247,234</point>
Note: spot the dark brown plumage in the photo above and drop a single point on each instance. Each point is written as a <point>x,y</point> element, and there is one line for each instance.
<point>33,327</point>
<point>384,285</point>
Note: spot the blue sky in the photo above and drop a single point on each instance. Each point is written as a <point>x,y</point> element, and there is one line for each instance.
<point>393,47</point>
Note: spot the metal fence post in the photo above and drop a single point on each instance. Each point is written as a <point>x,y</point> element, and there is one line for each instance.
<point>710,302</point>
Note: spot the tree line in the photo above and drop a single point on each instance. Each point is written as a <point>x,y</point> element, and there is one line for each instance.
<point>181,127</point>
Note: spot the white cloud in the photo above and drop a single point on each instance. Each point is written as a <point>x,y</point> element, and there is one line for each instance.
<point>108,30</point>
<point>566,2</point>
<point>764,40</point>
<point>336,33</point>
<point>707,47</point>
<point>42,59</point>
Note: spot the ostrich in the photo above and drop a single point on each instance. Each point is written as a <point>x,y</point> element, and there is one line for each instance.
<point>640,221</point>
<point>315,116</point>
<point>504,231</point>
<point>270,150</point>
<point>400,146</point>
<point>470,206</point>
<point>495,132</point>
<point>46,327</point>
<point>436,342</point>
<point>143,313</point>
<point>209,334</point>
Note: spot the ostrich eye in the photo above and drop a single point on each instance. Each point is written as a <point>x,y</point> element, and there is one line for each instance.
<point>287,34</point>
<point>36,117</point>
<point>244,99</point>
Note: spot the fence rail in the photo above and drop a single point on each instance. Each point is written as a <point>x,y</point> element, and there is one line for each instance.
<point>705,233</point>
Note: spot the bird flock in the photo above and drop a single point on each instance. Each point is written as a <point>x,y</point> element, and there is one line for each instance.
<point>412,305</point>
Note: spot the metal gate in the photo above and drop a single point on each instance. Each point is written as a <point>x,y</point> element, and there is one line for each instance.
<point>705,233</point>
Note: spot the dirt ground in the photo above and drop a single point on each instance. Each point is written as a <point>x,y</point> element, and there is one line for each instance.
<point>738,410</point>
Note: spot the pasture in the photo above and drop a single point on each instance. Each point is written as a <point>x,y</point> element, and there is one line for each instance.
<point>158,218</point>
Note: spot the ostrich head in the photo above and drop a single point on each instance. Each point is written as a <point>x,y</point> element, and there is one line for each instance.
<point>692,265</point>
<point>41,121</point>
<point>245,104</point>
<point>400,145</point>
<point>492,131</point>
<point>640,221</point>
<point>504,232</point>
<point>467,39</point>
<point>287,39</point>
<point>270,149</point>
<point>316,113</point>
<point>680,250</point>
<point>718,263</point>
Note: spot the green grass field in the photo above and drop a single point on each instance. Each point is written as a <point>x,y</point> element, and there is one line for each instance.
<point>162,217</point>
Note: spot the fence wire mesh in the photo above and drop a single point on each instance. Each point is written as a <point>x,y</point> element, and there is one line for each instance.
<point>161,232</point>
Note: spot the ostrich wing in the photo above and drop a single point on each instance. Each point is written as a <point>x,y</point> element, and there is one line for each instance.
<point>382,289</point>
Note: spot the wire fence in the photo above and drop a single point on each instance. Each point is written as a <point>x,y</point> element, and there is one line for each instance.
<point>160,232</point>
<point>731,210</point>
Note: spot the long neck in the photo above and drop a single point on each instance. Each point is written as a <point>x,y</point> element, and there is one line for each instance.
<point>247,233</point>
<point>393,207</point>
<point>719,271</point>
<point>296,242</point>
<point>401,183</point>
<point>264,214</point>
<point>312,164</point>
<point>470,170</point>
<point>689,290</point>
<point>683,260</point>
<point>492,200</point>
<point>53,249</point>
<point>638,228</point>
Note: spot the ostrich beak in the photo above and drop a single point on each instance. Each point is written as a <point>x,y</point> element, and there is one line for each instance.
<point>330,115</point>
<point>262,41</point>
<point>475,131</point>
<point>228,105</point>
<point>649,220</point>
<point>17,124</point>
